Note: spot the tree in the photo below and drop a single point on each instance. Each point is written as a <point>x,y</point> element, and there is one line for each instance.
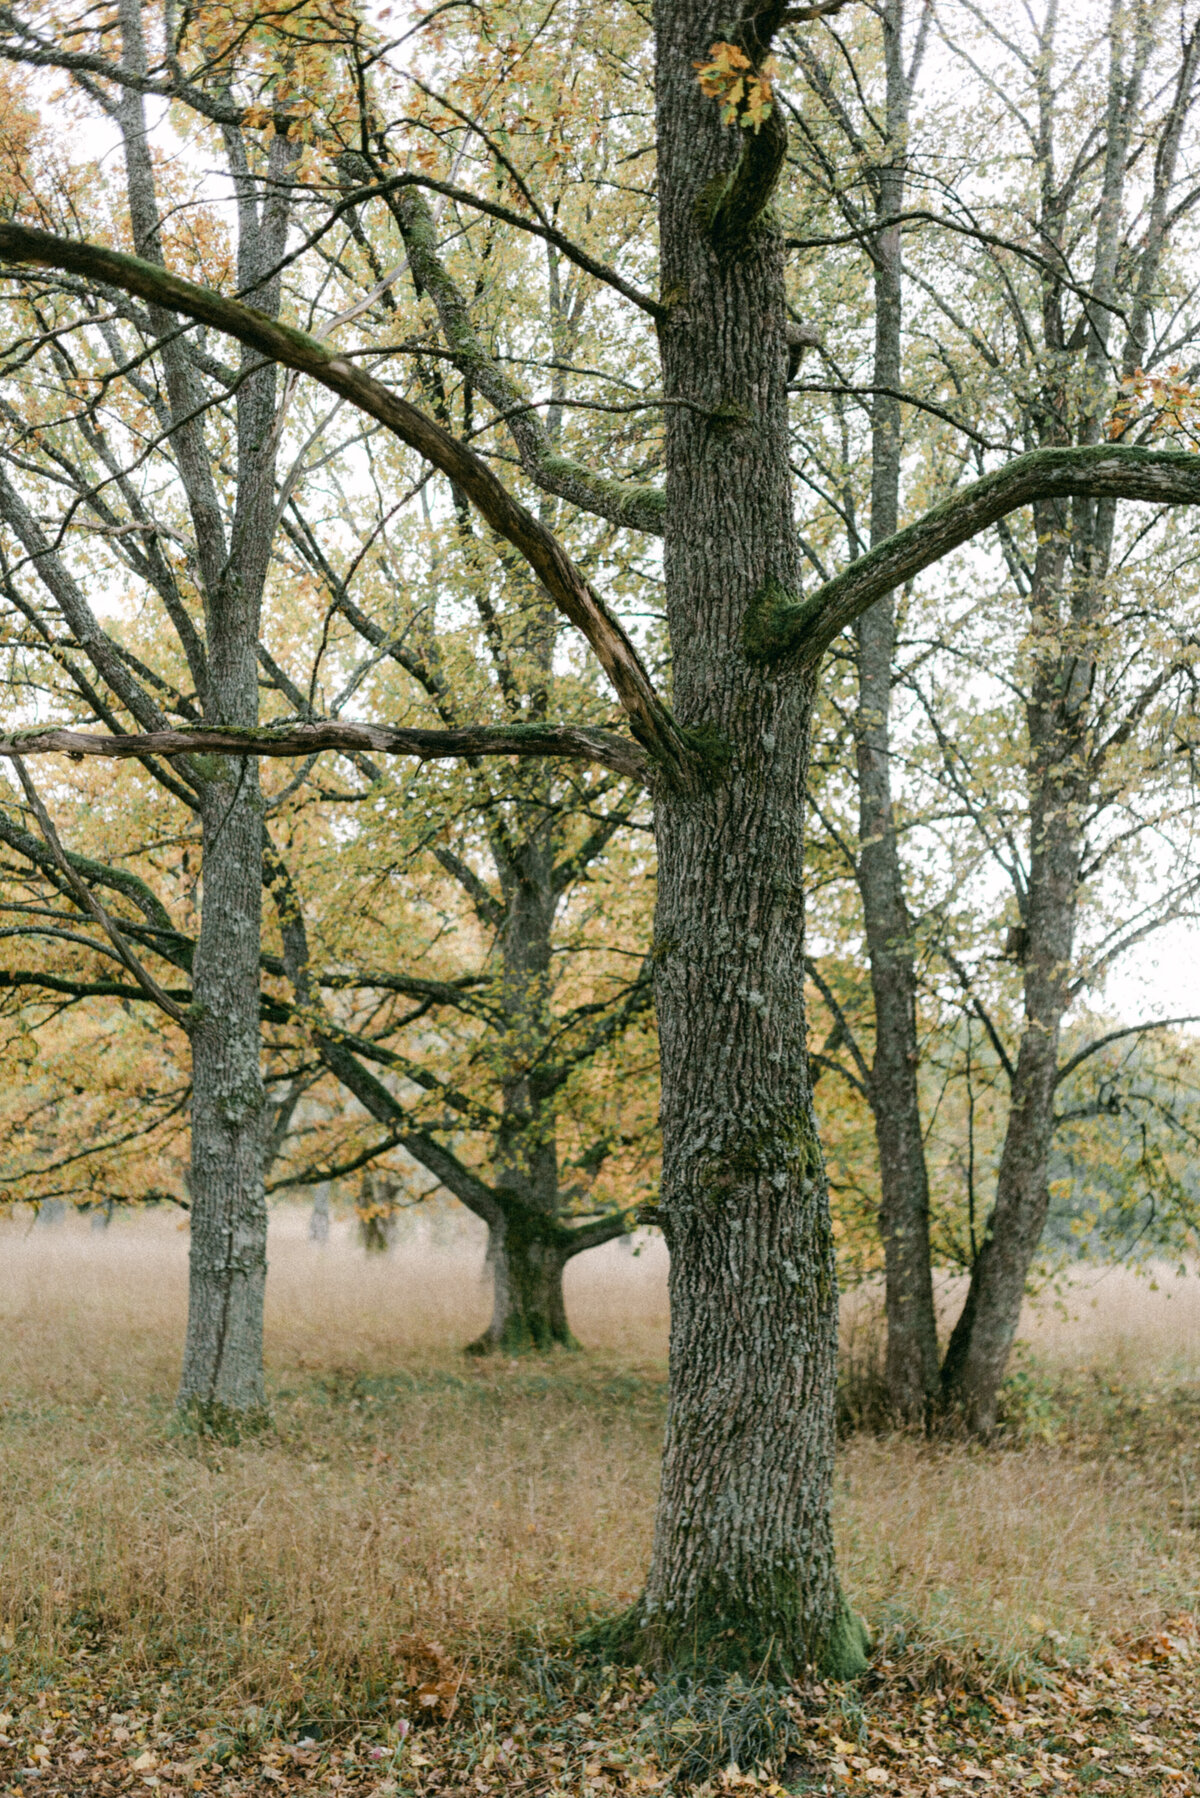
<point>543,835</point>
<point>1076,720</point>
<point>993,307</point>
<point>889,1082</point>
<point>229,552</point>
<point>742,1571</point>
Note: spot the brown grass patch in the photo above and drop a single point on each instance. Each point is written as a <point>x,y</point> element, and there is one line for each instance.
<point>406,1491</point>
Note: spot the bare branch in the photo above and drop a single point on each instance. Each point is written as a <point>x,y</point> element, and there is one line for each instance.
<point>1115,1036</point>
<point>575,742</point>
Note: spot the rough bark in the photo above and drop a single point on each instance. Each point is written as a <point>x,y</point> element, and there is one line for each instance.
<point>529,1310</point>
<point>222,1361</point>
<point>742,1571</point>
<point>572,742</point>
<point>912,1347</point>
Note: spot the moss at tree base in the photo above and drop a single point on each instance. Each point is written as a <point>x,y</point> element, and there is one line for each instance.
<point>727,1639</point>
<point>521,1337</point>
<point>216,1422</point>
<point>847,1647</point>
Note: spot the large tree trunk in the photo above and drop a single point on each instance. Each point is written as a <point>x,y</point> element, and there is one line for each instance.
<point>742,1572</point>
<point>529,1310</point>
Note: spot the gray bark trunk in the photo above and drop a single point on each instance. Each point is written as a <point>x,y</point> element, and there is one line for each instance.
<point>222,1360</point>
<point>527,1251</point>
<point>742,1571</point>
<point>222,1376</point>
<point>318,1222</point>
<point>979,1347</point>
<point>1072,559</point>
<point>529,1311</point>
<point>912,1347</point>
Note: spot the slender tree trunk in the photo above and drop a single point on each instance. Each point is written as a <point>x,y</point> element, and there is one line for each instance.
<point>982,1340</point>
<point>742,1572</point>
<point>912,1347</point>
<point>527,1249</point>
<point>222,1376</point>
<point>318,1222</point>
<point>222,1363</point>
<point>979,1347</point>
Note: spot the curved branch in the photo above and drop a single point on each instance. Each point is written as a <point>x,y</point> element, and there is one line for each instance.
<point>575,742</point>
<point>781,626</point>
<point>736,201</point>
<point>623,502</point>
<point>565,583</point>
<point>1116,1036</point>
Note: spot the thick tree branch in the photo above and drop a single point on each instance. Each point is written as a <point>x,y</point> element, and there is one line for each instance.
<point>778,625</point>
<point>590,1236</point>
<point>575,742</point>
<point>565,583</point>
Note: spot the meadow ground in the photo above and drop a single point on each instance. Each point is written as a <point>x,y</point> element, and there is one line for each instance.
<point>383,1591</point>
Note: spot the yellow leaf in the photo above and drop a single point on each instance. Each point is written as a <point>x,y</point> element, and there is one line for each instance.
<point>744,91</point>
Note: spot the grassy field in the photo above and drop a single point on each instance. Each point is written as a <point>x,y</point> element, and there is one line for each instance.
<point>412,1509</point>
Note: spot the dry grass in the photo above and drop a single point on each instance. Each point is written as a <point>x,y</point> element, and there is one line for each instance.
<point>406,1489</point>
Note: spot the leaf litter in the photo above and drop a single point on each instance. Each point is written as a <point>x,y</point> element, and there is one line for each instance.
<point>1125,1721</point>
